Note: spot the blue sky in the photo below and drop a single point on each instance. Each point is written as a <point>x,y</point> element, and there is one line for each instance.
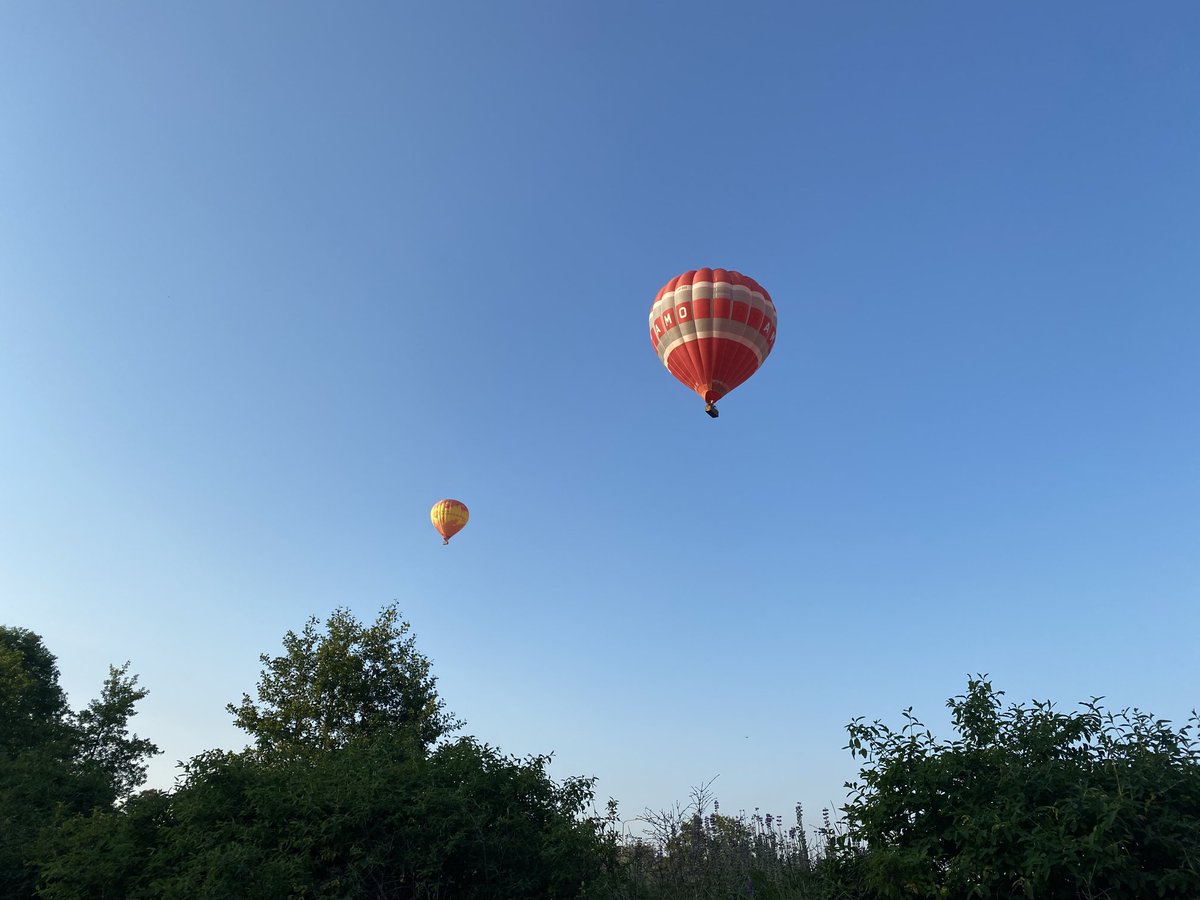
<point>275,278</point>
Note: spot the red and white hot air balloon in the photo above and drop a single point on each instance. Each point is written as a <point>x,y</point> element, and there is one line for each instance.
<point>712,328</point>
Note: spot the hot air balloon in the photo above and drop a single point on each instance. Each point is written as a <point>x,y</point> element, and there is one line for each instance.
<point>449,517</point>
<point>712,329</point>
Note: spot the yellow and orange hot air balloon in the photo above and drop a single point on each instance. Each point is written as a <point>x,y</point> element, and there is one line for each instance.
<point>449,517</point>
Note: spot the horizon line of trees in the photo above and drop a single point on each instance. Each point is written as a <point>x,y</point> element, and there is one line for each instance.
<point>355,785</point>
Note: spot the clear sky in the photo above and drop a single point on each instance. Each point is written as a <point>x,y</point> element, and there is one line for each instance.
<point>274,278</point>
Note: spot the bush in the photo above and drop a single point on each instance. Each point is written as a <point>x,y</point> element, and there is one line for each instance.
<point>351,790</point>
<point>1027,801</point>
<point>376,819</point>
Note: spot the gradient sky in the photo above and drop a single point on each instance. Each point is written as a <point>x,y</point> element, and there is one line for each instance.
<point>274,278</point>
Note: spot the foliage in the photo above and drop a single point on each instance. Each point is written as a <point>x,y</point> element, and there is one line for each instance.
<point>104,742</point>
<point>109,854</point>
<point>1026,801</point>
<point>55,763</point>
<point>353,681</point>
<point>342,796</point>
<point>33,706</point>
<point>352,789</point>
<point>690,852</point>
<point>374,819</point>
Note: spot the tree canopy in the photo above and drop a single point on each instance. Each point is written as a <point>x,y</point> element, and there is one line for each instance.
<point>351,790</point>
<point>55,763</point>
<point>1027,801</point>
<point>33,706</point>
<point>351,681</point>
<point>353,787</point>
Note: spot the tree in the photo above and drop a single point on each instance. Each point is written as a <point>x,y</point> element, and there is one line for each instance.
<point>108,854</point>
<point>373,820</point>
<point>37,747</point>
<point>1027,801</point>
<point>105,744</point>
<point>55,763</point>
<point>33,706</point>
<point>351,682</point>
<point>343,796</point>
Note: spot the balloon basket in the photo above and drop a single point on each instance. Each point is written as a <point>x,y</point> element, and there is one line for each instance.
<point>711,409</point>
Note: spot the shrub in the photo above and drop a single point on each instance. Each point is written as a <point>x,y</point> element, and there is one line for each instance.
<point>1026,801</point>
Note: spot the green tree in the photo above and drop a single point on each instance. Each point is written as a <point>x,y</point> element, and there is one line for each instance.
<point>346,794</point>
<point>108,854</point>
<point>1026,801</point>
<point>54,763</point>
<point>349,682</point>
<point>105,745</point>
<point>33,707</point>
<point>37,745</point>
<point>374,820</point>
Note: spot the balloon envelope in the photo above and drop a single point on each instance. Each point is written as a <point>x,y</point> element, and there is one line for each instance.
<point>449,517</point>
<point>712,328</point>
